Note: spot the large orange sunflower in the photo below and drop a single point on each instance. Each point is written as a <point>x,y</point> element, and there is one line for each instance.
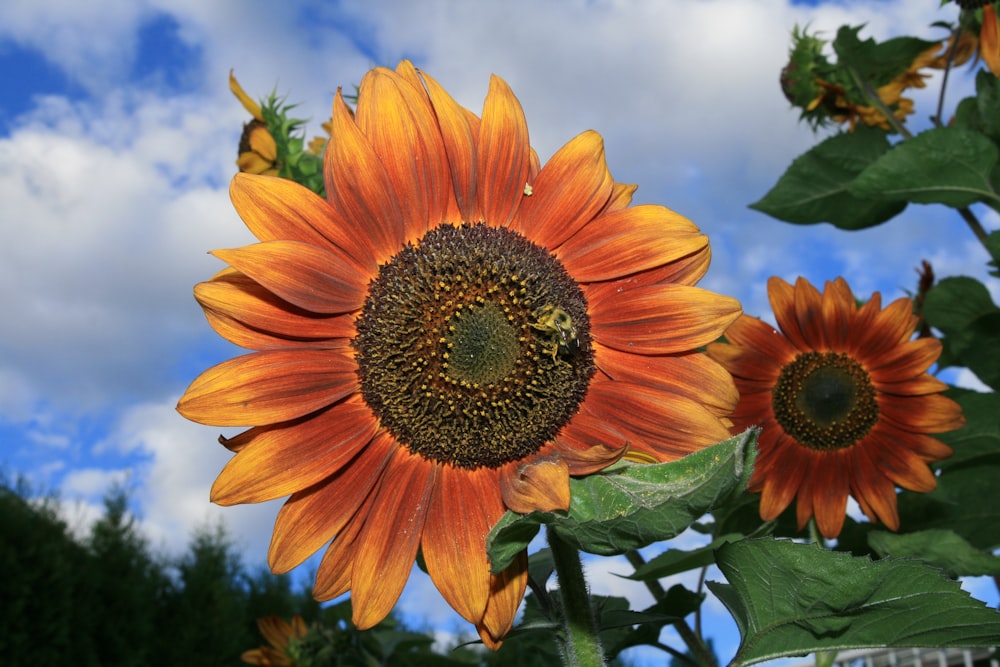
<point>452,333</point>
<point>844,400</point>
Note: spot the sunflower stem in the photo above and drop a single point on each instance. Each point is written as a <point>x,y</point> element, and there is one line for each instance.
<point>581,645</point>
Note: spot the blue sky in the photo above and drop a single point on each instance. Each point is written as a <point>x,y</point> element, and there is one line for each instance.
<point>118,138</point>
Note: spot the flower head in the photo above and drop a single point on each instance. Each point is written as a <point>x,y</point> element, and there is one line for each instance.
<point>258,152</point>
<point>844,399</point>
<point>279,634</point>
<point>452,332</point>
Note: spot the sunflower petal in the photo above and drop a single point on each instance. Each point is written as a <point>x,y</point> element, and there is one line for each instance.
<point>661,319</point>
<point>312,516</point>
<point>628,241</point>
<point>664,423</point>
<point>694,375</point>
<point>572,188</point>
<point>277,209</point>
<point>541,485</point>
<point>333,576</point>
<point>387,545</point>
<point>459,138</point>
<point>269,387</point>
<point>307,276</point>
<point>238,297</point>
<point>464,508</point>
<point>503,155</point>
<point>404,134</point>
<point>293,456</point>
<point>360,188</point>
<point>506,592</point>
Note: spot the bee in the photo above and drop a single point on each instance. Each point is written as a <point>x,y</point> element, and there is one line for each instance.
<point>562,333</point>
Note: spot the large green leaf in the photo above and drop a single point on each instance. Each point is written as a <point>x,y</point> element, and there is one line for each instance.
<point>792,599</point>
<point>964,501</point>
<point>940,548</point>
<point>978,442</point>
<point>631,505</point>
<point>962,309</point>
<point>944,165</point>
<point>815,186</point>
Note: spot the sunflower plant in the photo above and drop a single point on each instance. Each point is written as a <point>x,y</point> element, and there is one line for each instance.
<point>453,348</point>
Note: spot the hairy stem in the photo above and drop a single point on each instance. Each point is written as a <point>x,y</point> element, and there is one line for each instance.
<point>581,645</point>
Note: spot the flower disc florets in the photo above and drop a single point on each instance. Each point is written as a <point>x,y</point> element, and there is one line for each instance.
<point>454,353</point>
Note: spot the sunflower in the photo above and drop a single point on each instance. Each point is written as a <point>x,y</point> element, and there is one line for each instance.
<point>844,400</point>
<point>258,151</point>
<point>452,332</point>
<point>279,634</point>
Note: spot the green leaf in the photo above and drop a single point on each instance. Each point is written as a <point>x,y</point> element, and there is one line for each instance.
<point>963,502</point>
<point>944,165</point>
<point>631,505</point>
<point>792,599</point>
<point>877,63</point>
<point>962,309</point>
<point>982,112</point>
<point>815,186</point>
<point>941,548</point>
<point>978,441</point>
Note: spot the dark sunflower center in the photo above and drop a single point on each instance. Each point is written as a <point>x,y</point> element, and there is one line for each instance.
<point>473,346</point>
<point>825,400</point>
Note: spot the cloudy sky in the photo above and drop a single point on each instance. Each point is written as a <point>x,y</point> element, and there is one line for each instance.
<point>118,137</point>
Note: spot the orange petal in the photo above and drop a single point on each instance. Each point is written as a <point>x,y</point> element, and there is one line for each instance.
<point>401,127</point>
<point>275,630</point>
<point>262,143</point>
<point>654,420</point>
<point>541,485</point>
<point>874,492</point>
<point>885,331</point>
<point>503,155</point>
<point>927,413</point>
<point>839,309</point>
<point>360,188</point>
<point>387,545</point>
<point>621,196</point>
<point>925,383</point>
<point>277,209</point>
<point>240,298</point>
<point>252,107</point>
<point>900,464</point>
<point>312,516</point>
<point>761,337</point>
<point>905,361</point>
<point>460,144</point>
<point>809,314</point>
<point>251,162</point>
<point>269,387</point>
<point>989,39</point>
<point>572,188</point>
<point>587,445</point>
<point>333,576</point>
<point>782,298</point>
<point>464,508</point>
<point>506,593</point>
<point>294,456</point>
<point>694,375</point>
<point>304,275</point>
<point>627,241</point>
<point>661,319</point>
<point>782,483</point>
<point>829,485</point>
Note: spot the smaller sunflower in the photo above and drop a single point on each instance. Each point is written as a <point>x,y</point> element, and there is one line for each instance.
<point>279,634</point>
<point>258,151</point>
<point>844,399</point>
